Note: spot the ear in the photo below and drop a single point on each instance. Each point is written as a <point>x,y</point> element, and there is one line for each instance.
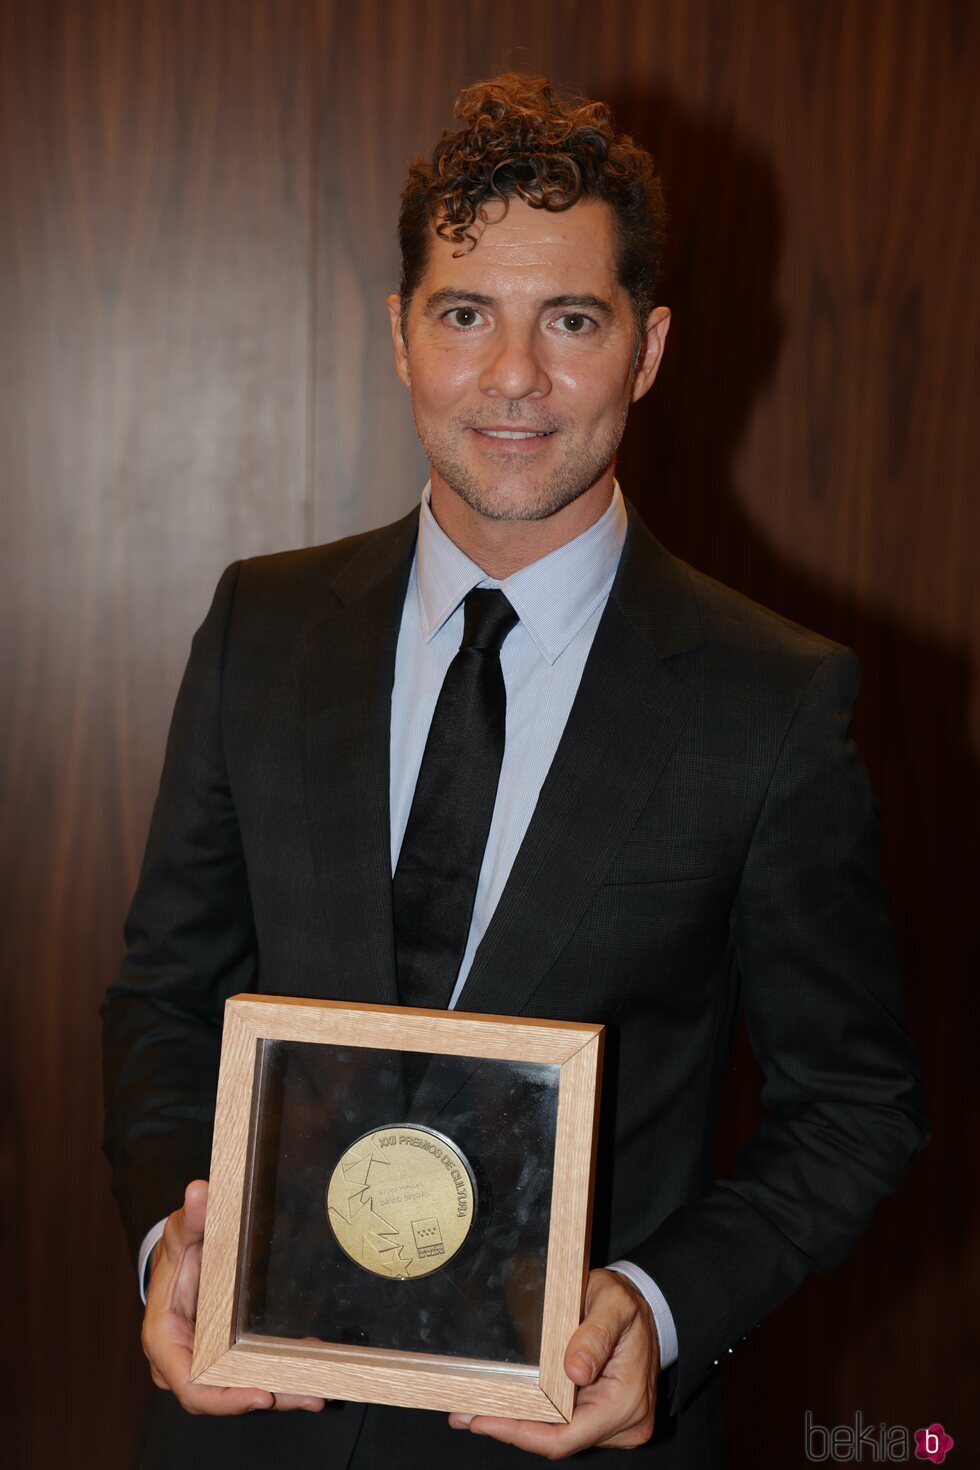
<point>394,304</point>
<point>651,352</point>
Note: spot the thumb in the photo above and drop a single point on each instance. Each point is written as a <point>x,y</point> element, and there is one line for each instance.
<point>592,1343</point>
<point>175,1281</point>
<point>188,1221</point>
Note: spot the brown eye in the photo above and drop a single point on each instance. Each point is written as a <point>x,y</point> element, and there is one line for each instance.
<point>462,316</point>
<point>576,323</point>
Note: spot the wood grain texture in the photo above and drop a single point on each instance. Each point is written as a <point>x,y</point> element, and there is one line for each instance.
<point>199,206</point>
<point>570,1206</point>
<point>238,1079</point>
<point>154,280</point>
<point>411,1028</point>
<point>375,1377</point>
<point>226,1358</point>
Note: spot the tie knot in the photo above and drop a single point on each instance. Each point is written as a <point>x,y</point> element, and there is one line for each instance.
<point>487,619</point>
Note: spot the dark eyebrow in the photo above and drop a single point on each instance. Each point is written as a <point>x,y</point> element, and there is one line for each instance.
<point>450,296</point>
<point>591,303</point>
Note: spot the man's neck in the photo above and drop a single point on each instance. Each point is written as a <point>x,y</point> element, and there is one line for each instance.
<point>500,548</point>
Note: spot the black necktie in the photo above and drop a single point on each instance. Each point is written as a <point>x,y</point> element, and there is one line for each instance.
<point>439,864</point>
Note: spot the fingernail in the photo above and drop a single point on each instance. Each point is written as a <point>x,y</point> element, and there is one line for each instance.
<point>460,1421</point>
<point>312,1404</point>
<point>587,1364</point>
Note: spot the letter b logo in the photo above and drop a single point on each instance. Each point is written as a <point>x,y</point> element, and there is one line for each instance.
<point>816,1439</point>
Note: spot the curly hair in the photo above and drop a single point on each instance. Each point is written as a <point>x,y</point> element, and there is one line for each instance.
<point>518,137</point>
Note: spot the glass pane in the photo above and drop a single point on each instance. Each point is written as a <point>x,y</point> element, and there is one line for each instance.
<point>441,1170</point>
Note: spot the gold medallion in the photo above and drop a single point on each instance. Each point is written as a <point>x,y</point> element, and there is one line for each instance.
<point>401,1200</point>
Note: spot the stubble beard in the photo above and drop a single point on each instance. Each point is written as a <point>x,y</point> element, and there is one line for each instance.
<point>580,466</point>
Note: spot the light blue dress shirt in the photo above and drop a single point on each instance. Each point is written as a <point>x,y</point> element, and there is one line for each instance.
<point>559,600</point>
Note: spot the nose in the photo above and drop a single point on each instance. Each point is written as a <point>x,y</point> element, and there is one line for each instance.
<point>514,368</point>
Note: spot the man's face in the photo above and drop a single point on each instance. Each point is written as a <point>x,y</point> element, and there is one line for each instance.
<point>521,358</point>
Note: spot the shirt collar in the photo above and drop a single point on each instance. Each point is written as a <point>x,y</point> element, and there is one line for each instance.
<point>553,597</point>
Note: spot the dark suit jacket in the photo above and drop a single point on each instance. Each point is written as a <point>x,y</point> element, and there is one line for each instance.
<point>705,841</point>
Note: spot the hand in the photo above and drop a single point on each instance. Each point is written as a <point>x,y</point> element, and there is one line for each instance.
<point>614,1357</point>
<point>171,1308</point>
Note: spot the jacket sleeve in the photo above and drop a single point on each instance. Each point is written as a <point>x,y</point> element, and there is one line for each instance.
<point>190,943</point>
<point>825,1015</point>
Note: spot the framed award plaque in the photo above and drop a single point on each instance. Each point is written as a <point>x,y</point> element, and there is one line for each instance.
<point>399,1205</point>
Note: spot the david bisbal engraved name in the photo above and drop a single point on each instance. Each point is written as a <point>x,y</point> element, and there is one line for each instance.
<point>400,1201</point>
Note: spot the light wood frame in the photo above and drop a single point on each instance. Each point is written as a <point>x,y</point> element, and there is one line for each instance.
<point>384,1375</point>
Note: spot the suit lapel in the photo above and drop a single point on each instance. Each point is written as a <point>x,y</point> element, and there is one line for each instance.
<point>347,672</point>
<point>628,714</point>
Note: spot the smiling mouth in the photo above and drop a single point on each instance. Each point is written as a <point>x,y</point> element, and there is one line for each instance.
<point>515,433</point>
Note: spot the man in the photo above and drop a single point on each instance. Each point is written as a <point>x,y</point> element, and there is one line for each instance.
<point>674,825</point>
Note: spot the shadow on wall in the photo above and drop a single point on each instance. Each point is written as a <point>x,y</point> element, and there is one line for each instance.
<point>912,727</point>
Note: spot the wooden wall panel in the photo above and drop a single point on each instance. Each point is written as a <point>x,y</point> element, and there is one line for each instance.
<point>154,296</point>
<point>199,205</point>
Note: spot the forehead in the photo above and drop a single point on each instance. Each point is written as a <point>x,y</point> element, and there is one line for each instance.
<point>530,251</point>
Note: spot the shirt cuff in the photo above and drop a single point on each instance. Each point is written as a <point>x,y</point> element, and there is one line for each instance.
<point>150,1239</point>
<point>663,1318</point>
